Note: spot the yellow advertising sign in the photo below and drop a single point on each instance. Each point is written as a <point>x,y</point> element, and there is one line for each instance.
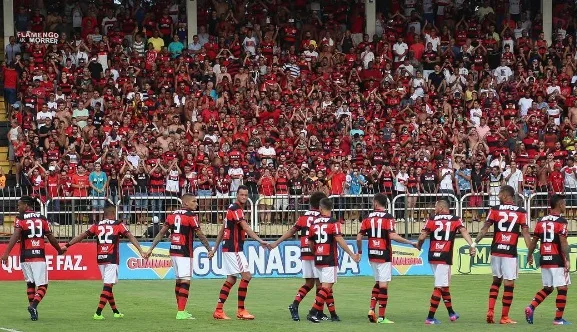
<point>481,262</point>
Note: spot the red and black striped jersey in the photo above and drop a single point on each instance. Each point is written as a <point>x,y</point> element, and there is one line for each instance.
<point>182,225</point>
<point>34,227</point>
<point>508,220</point>
<point>323,233</point>
<point>549,230</point>
<point>302,225</point>
<point>442,230</point>
<point>378,226</point>
<point>234,234</point>
<point>108,233</point>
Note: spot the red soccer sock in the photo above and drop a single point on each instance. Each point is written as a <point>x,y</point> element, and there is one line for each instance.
<point>183,295</point>
<point>320,299</point>
<point>224,291</point>
<point>302,292</point>
<point>560,302</point>
<point>176,290</point>
<point>40,292</point>
<point>30,291</point>
<point>383,300</point>
<point>374,295</point>
<point>493,294</point>
<point>435,299</point>
<point>242,290</point>
<point>507,300</point>
<point>540,297</point>
<point>447,299</point>
<point>331,303</point>
<point>104,296</point>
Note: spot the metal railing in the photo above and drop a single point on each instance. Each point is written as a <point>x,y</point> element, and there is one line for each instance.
<point>270,216</point>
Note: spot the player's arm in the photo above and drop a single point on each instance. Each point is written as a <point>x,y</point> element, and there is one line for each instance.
<point>135,243</point>
<point>288,234</point>
<point>343,244</point>
<point>245,227</point>
<point>566,251</point>
<point>360,236</point>
<point>397,238</point>
<point>13,240</point>
<point>158,238</point>
<point>467,237</point>
<point>421,239</point>
<point>217,241</point>
<point>78,238</point>
<point>526,235</point>
<point>52,240</point>
<point>533,245</point>
<point>482,232</point>
<point>202,238</point>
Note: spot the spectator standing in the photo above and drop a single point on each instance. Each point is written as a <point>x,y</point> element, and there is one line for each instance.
<point>98,180</point>
<point>514,177</point>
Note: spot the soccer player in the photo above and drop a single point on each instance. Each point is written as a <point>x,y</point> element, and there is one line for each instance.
<point>552,232</point>
<point>30,228</point>
<point>442,229</point>
<point>183,224</point>
<point>108,233</point>
<point>379,226</point>
<point>232,234</point>
<point>324,236</point>
<point>308,265</point>
<point>508,219</point>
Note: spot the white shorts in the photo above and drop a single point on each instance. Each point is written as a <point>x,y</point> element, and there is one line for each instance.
<point>234,263</point>
<point>442,273</point>
<point>182,267</point>
<point>505,267</point>
<point>555,277</point>
<point>309,269</point>
<point>281,202</point>
<point>109,273</point>
<point>327,274</point>
<point>381,271</point>
<point>35,272</point>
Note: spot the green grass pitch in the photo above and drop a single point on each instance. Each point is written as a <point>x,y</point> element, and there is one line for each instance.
<point>150,306</point>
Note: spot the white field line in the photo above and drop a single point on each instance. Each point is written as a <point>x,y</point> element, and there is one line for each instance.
<point>9,330</point>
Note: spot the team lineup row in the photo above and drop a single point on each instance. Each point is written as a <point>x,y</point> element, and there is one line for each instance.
<point>320,237</point>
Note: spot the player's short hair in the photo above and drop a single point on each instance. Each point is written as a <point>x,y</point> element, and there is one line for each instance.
<point>443,203</point>
<point>382,200</point>
<point>316,198</point>
<point>29,201</point>
<point>242,187</point>
<point>555,200</point>
<point>326,204</point>
<point>110,209</point>
<point>508,190</point>
<point>187,196</point>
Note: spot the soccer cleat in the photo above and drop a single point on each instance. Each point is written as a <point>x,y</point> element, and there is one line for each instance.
<point>313,318</point>
<point>529,315</point>
<point>454,316</point>
<point>189,315</point>
<point>33,313</point>
<point>507,320</point>
<point>294,310</point>
<point>385,320</point>
<point>119,315</point>
<point>372,316</point>
<point>490,317</point>
<point>220,315</point>
<point>335,318</point>
<point>432,321</point>
<point>183,315</point>
<point>561,322</point>
<point>98,317</point>
<point>321,316</point>
<point>244,315</point>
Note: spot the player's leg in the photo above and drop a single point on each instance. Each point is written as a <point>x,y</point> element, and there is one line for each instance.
<point>494,289</point>
<point>509,267</point>
<point>436,295</point>
<point>327,276</point>
<point>30,291</point>
<point>541,295</point>
<point>38,274</point>
<point>246,276</point>
<point>561,280</point>
<point>446,293</point>
<point>231,269</point>
<point>183,272</point>
<point>308,270</point>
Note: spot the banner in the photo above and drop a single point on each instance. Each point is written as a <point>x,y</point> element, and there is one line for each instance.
<point>38,37</point>
<point>283,261</point>
<point>481,262</point>
<point>79,263</point>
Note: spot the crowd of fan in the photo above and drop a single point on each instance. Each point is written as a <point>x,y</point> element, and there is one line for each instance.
<point>292,98</point>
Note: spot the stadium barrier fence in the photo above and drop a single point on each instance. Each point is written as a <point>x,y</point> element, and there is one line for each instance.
<point>71,216</point>
<point>9,210</point>
<point>473,208</point>
<point>412,210</point>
